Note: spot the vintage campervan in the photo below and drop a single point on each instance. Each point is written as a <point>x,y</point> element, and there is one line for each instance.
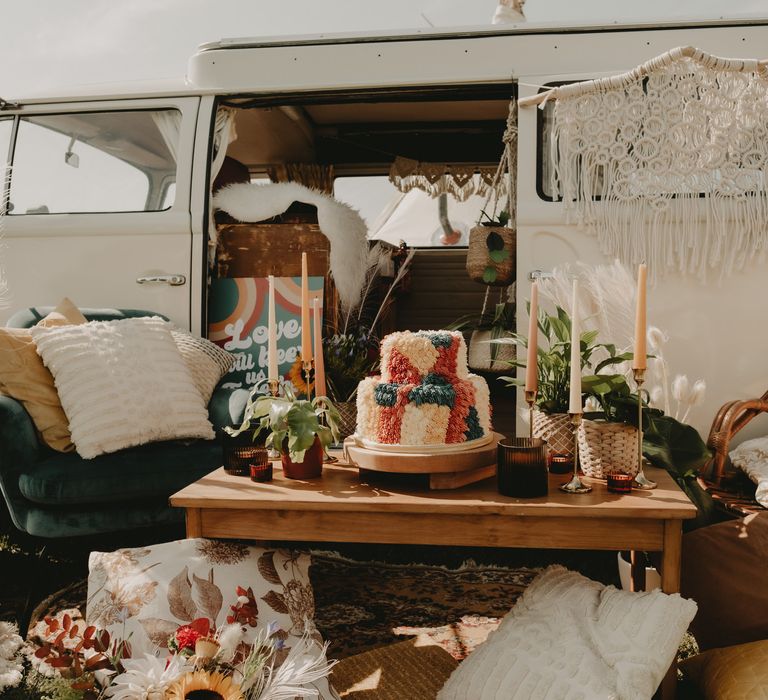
<point>109,194</point>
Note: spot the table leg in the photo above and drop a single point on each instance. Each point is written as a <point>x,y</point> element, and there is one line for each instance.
<point>637,563</point>
<point>670,583</point>
<point>194,522</point>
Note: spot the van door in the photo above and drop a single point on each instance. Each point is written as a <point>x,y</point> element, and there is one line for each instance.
<point>99,205</point>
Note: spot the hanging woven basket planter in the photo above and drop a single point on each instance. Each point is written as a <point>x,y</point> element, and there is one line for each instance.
<point>491,256</point>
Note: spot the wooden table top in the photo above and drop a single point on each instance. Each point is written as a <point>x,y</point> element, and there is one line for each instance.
<point>340,489</point>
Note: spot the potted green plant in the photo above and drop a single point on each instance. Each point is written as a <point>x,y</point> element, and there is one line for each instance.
<point>491,250</point>
<point>667,442</point>
<point>550,417</point>
<point>298,429</point>
<point>482,353</point>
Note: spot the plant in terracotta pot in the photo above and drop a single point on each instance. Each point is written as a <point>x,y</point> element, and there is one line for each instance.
<point>299,429</point>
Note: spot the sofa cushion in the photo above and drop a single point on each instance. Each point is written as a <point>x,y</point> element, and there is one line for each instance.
<point>731,673</point>
<point>149,471</point>
<point>122,383</point>
<point>569,637</point>
<point>87,520</point>
<point>24,377</point>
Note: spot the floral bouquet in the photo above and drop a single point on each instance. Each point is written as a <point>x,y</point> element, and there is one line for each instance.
<point>66,659</point>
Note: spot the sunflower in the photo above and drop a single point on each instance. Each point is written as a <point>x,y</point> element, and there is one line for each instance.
<point>202,685</point>
<point>298,378</point>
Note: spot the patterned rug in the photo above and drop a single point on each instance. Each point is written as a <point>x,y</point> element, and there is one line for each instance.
<point>362,605</point>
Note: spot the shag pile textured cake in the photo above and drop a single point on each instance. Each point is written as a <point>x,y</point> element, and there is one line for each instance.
<point>425,395</point>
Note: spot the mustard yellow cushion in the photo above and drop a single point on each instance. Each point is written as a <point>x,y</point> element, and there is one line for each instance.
<point>24,377</point>
<point>731,673</point>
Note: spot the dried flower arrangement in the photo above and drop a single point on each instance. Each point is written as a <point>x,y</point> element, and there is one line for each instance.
<point>66,659</point>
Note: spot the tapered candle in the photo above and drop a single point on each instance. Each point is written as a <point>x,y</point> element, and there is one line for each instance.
<point>640,360</point>
<point>306,329</point>
<point>574,405</point>
<point>531,367</point>
<point>271,334</point>
<point>320,389</point>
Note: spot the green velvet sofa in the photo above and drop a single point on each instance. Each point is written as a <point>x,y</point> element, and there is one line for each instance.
<point>52,494</point>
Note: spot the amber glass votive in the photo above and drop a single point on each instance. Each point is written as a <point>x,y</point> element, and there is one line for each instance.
<point>560,463</point>
<point>261,472</point>
<point>522,468</point>
<point>619,483</point>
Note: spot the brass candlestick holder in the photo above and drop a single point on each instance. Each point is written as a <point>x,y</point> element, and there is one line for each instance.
<point>641,480</point>
<point>575,485</point>
<point>307,368</point>
<point>273,386</point>
<point>530,399</point>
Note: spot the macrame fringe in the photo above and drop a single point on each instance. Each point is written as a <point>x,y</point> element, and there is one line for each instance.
<point>668,168</point>
<point>439,178</point>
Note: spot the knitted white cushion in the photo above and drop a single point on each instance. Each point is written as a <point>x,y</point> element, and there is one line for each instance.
<point>122,383</point>
<point>569,637</point>
<point>206,361</point>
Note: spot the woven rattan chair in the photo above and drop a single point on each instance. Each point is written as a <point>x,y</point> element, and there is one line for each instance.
<point>732,491</point>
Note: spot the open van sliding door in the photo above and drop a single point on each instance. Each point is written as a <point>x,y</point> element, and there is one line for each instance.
<point>99,205</point>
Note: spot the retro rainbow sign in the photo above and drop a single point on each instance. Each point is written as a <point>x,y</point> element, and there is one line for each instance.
<point>237,321</point>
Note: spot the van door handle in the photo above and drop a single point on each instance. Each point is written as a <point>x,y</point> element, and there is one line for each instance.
<point>534,275</point>
<point>173,280</point>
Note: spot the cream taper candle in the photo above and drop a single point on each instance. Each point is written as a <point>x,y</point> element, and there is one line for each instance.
<point>320,389</point>
<point>574,404</point>
<point>640,360</point>
<point>271,333</point>
<point>306,328</point>
<point>531,368</point>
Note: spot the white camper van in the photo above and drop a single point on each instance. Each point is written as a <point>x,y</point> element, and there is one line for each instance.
<point>109,199</point>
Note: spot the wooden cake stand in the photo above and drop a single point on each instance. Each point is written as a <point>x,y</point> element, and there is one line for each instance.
<point>447,470</point>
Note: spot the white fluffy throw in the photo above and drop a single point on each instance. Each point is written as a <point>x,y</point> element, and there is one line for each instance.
<point>339,223</point>
<point>752,457</point>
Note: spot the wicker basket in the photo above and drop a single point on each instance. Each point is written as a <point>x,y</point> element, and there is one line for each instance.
<point>480,352</point>
<point>607,447</point>
<point>556,429</point>
<point>478,259</point>
<point>347,418</point>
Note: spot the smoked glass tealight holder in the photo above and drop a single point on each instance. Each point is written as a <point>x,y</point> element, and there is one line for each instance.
<point>619,482</point>
<point>560,463</point>
<point>522,468</point>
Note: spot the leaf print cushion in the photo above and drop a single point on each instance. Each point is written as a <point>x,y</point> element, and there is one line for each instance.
<point>147,593</point>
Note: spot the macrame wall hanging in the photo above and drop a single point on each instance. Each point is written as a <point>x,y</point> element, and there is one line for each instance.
<point>667,163</point>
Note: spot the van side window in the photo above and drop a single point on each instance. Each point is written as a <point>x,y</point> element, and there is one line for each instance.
<point>95,162</point>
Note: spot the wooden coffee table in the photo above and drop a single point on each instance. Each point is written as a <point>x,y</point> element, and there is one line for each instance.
<point>338,507</point>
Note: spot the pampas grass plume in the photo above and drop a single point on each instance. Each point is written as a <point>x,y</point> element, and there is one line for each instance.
<point>229,638</point>
<point>656,396</point>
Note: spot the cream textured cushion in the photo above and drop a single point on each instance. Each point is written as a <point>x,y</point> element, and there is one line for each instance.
<point>122,383</point>
<point>731,673</point>
<point>752,457</point>
<point>569,637</point>
<point>148,592</point>
<point>206,361</point>
<point>24,377</point>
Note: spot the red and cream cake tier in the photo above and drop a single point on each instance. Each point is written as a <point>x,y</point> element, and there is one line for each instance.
<point>425,394</point>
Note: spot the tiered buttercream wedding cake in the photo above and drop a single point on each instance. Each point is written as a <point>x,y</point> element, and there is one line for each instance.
<point>425,395</point>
